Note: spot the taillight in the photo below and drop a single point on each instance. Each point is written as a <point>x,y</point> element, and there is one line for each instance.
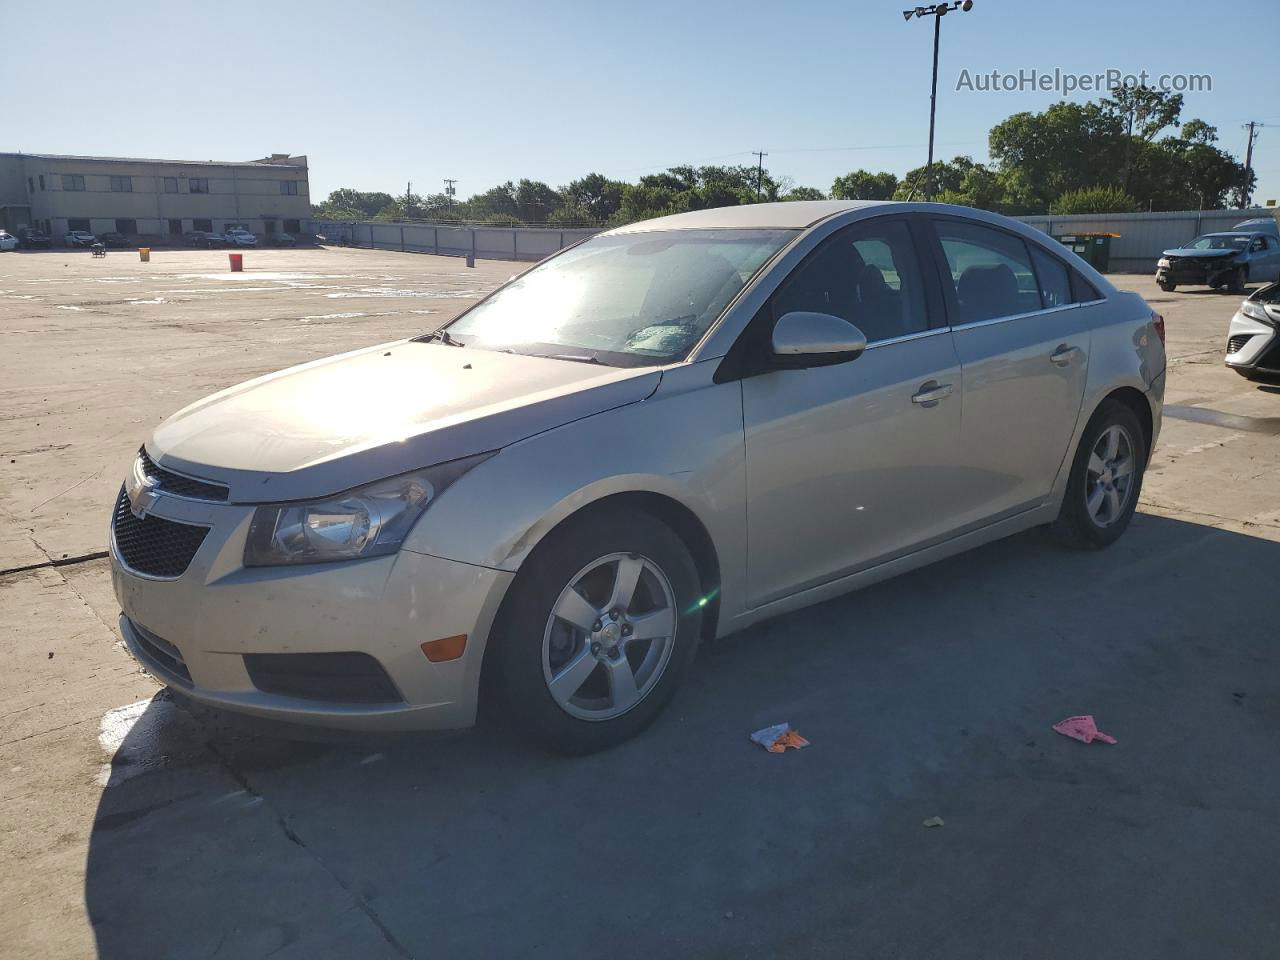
<point>1157,321</point>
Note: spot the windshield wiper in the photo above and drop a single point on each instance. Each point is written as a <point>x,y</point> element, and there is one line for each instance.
<point>442,336</point>
<point>577,358</point>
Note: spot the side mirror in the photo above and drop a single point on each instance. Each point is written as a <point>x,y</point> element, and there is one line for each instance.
<point>802,339</point>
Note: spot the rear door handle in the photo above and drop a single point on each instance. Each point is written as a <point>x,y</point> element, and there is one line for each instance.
<point>1063,355</point>
<point>930,393</point>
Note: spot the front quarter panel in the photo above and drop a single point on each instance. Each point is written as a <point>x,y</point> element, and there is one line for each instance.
<point>685,442</point>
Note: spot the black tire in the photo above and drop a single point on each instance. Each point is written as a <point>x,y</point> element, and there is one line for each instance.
<point>517,688</point>
<point>1075,526</point>
<point>1168,287</point>
<point>1236,280</point>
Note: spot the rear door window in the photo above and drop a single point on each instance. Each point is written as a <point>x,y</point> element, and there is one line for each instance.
<point>1055,282</point>
<point>989,270</point>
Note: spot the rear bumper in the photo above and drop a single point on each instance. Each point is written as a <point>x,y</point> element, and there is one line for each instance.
<point>195,632</point>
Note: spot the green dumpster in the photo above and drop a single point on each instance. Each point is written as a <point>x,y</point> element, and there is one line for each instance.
<point>1093,248</point>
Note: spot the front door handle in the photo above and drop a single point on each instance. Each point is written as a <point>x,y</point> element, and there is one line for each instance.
<point>1063,355</point>
<point>930,393</point>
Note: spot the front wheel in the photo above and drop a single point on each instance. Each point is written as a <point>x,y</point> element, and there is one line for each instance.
<point>1237,280</point>
<point>598,633</point>
<point>1168,287</point>
<point>1106,479</point>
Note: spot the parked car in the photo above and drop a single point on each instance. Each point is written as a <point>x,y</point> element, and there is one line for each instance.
<point>1258,225</point>
<point>79,238</point>
<point>33,239</point>
<point>114,239</point>
<point>282,240</point>
<point>202,238</point>
<point>240,238</point>
<point>1229,260</point>
<point>663,434</point>
<point>8,241</point>
<point>1253,339</point>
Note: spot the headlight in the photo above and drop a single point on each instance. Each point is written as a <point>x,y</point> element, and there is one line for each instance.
<point>1162,262</point>
<point>368,521</point>
<point>1256,311</point>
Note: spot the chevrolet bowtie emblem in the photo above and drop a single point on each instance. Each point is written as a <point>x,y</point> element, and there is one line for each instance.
<point>144,497</point>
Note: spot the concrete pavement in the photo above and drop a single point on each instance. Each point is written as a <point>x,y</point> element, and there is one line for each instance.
<point>132,826</point>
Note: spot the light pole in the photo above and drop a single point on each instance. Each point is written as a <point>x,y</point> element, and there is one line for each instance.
<point>937,11</point>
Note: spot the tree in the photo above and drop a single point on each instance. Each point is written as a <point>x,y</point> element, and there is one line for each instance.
<point>804,193</point>
<point>1199,132</point>
<point>595,196</point>
<point>1067,147</point>
<point>496,201</point>
<point>1145,111</point>
<point>348,204</point>
<point>535,201</point>
<point>1094,200</point>
<point>864,185</point>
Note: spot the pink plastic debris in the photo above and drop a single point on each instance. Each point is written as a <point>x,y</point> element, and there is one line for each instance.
<point>1082,729</point>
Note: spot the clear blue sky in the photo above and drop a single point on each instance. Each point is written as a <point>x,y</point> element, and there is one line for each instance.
<point>377,93</point>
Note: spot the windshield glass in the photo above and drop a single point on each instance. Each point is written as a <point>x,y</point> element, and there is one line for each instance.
<point>1221,241</point>
<point>628,300</point>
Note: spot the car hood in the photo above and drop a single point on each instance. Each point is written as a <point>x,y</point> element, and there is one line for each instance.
<point>1206,254</point>
<point>333,424</point>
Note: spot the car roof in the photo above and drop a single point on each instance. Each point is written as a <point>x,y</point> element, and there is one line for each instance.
<point>791,215</point>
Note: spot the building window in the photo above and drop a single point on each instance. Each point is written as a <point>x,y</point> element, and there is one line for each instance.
<point>42,181</point>
<point>122,185</point>
<point>175,227</point>
<point>31,187</point>
<point>292,226</point>
<point>73,181</point>
<point>289,187</point>
<point>127,226</point>
<point>170,184</point>
<point>198,184</point>
<point>205,225</point>
<point>78,223</point>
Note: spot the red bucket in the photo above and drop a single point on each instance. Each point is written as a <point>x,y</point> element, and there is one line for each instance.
<point>237,262</point>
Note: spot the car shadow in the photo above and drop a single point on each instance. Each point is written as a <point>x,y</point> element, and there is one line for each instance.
<point>929,695</point>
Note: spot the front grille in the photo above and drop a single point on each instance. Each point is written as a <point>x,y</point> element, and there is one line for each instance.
<point>154,546</point>
<point>164,653</point>
<point>333,677</point>
<point>178,485</point>
<point>1236,343</point>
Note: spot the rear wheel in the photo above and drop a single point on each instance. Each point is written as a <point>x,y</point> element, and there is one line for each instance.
<point>1168,287</point>
<point>598,633</point>
<point>1106,479</point>
<point>1236,280</point>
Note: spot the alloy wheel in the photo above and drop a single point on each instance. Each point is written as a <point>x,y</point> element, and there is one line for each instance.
<point>609,636</point>
<point>1109,480</point>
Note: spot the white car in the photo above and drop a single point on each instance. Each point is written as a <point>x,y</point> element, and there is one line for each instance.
<point>240,238</point>
<point>1253,340</point>
<point>8,241</point>
<point>79,238</point>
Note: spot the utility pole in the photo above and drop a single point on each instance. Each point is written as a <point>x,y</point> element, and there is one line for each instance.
<point>760,155</point>
<point>937,11</point>
<point>1251,126</point>
<point>408,193</point>
<point>449,190</point>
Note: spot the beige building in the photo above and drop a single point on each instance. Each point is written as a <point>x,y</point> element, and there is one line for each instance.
<point>151,198</point>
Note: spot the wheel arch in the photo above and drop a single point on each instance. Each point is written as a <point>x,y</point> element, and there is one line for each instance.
<point>1136,401</point>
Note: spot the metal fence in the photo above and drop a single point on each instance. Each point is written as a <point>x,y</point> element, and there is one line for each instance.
<point>1142,236</point>
<point>486,243</point>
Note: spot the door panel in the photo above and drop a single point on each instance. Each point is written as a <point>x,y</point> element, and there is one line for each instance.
<point>1024,381</point>
<point>843,468</point>
<point>1025,352</point>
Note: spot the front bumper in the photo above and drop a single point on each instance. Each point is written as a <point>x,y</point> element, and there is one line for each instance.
<point>193,632</point>
<point>1189,270</point>
<point>1253,345</point>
